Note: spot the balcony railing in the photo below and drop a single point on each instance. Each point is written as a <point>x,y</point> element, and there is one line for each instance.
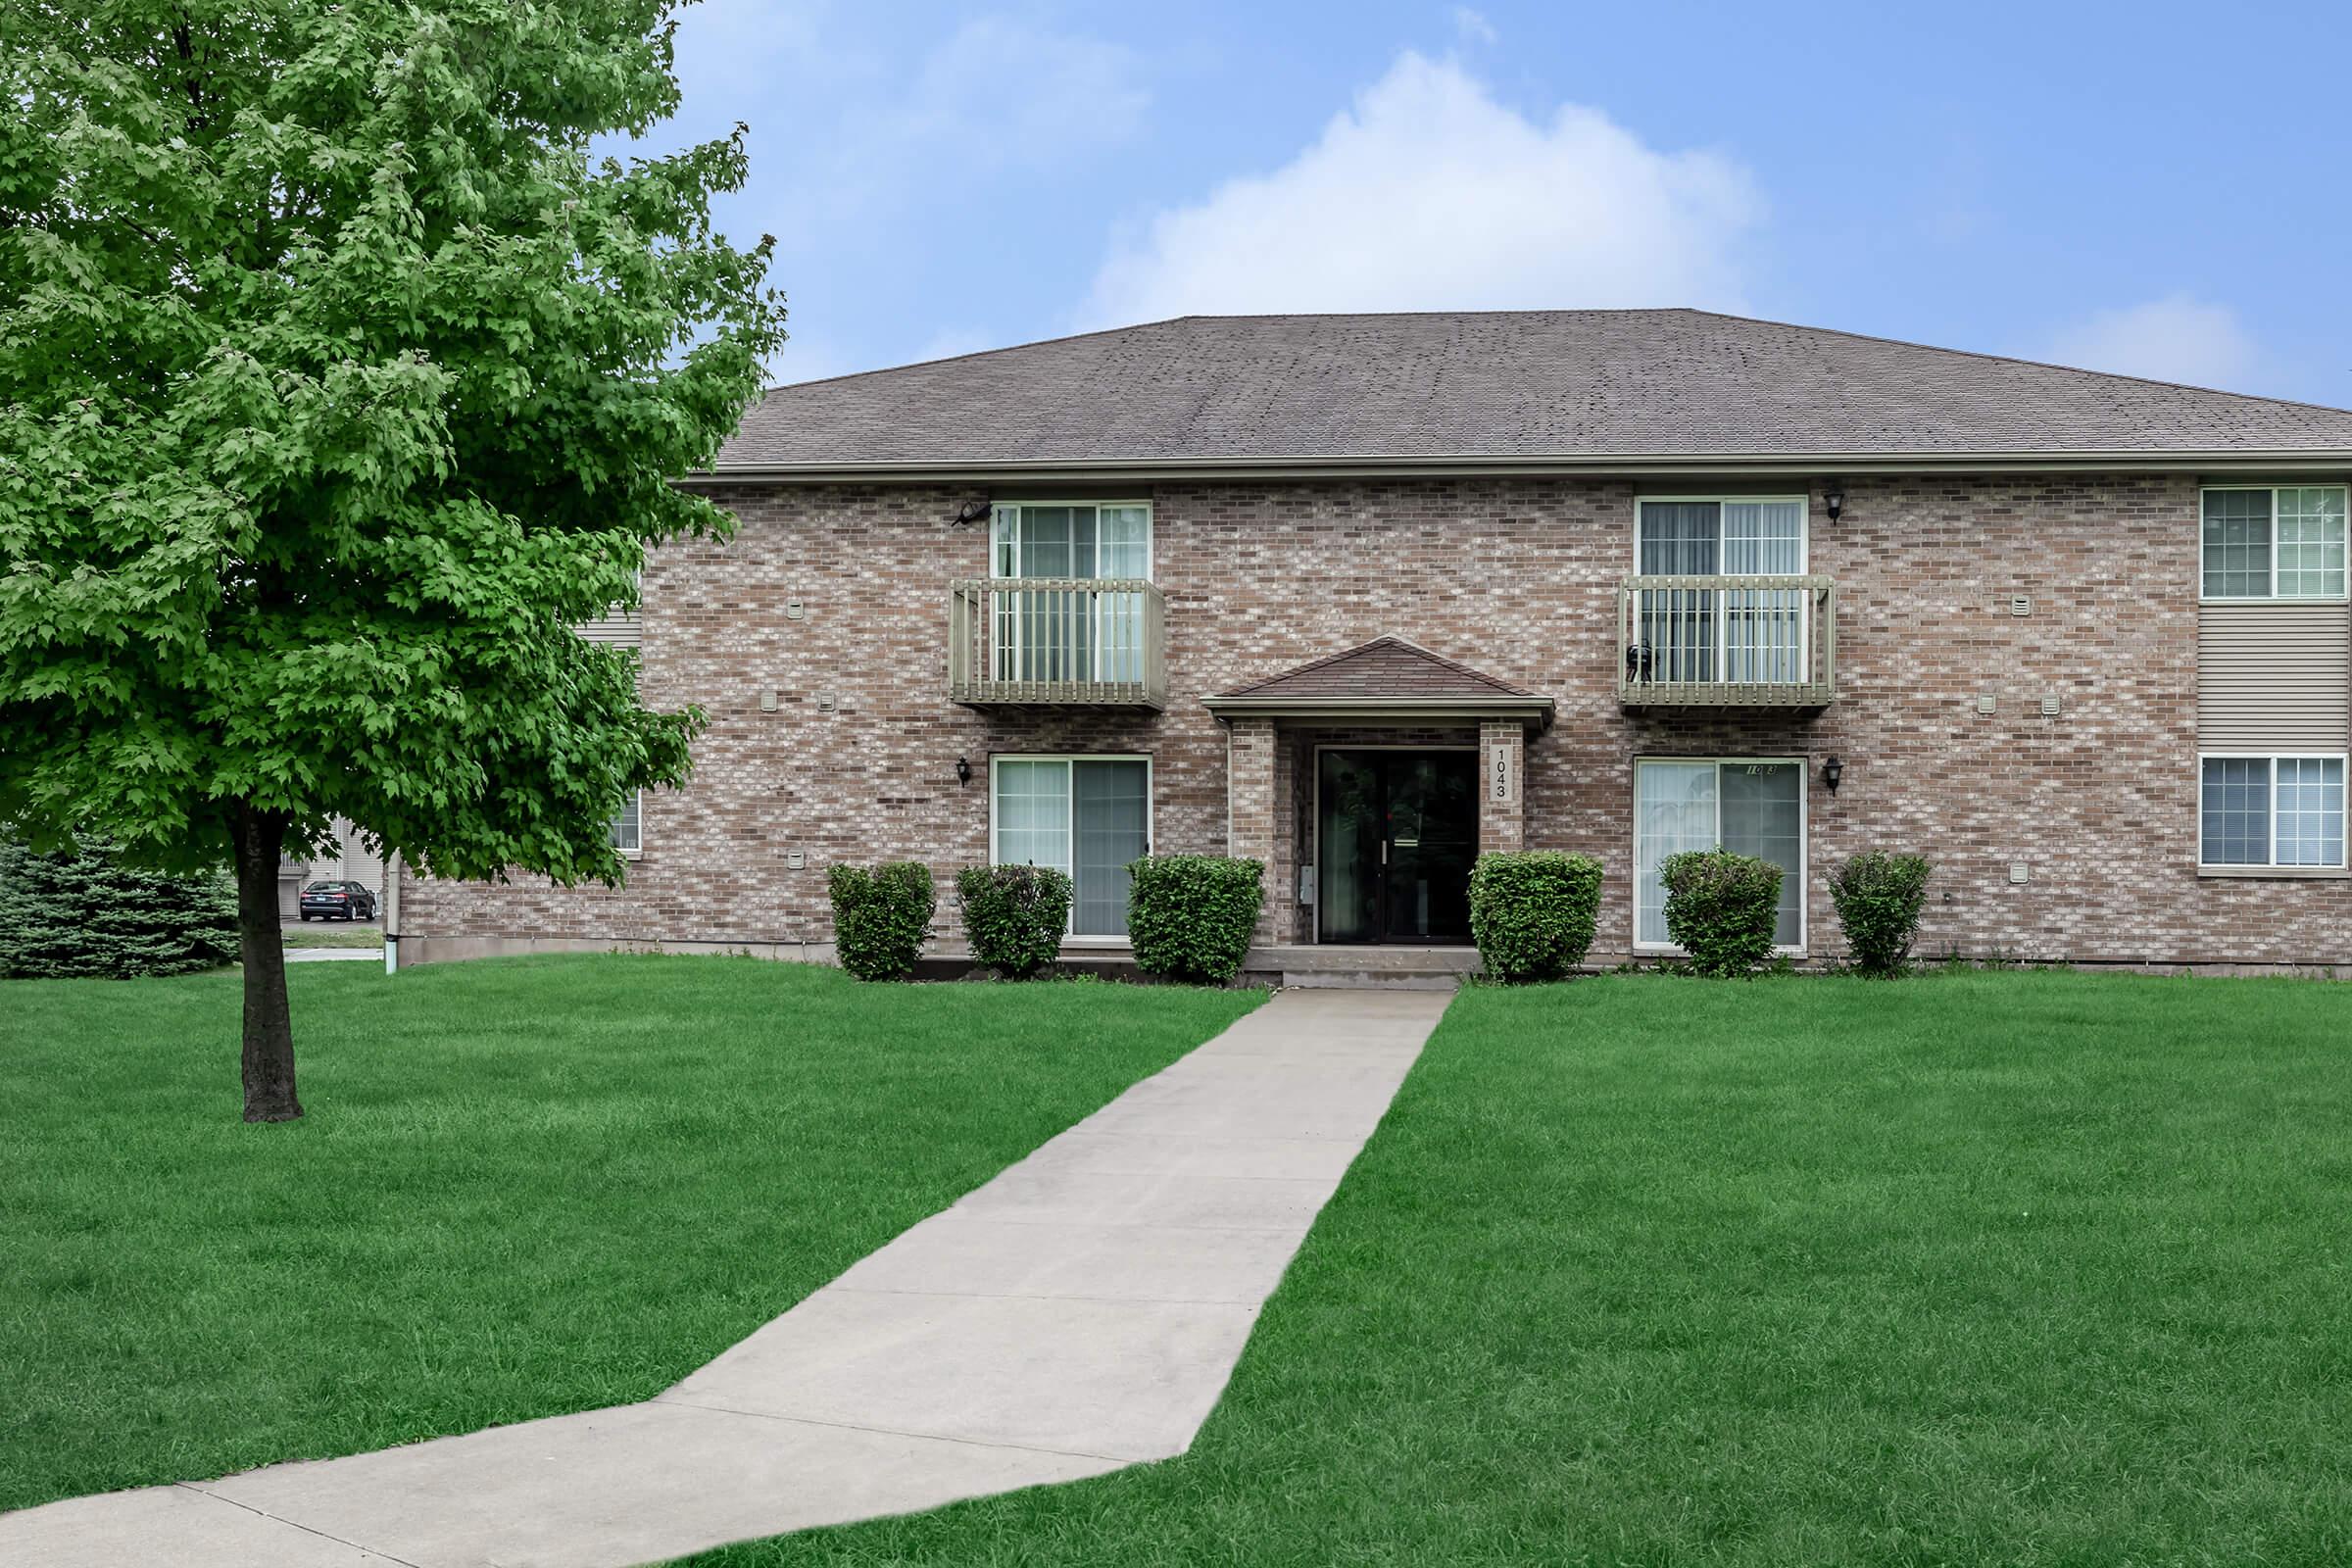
<point>1083,642</point>
<point>1727,642</point>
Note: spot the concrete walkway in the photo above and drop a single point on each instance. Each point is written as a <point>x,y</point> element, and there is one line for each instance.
<point>1079,1314</point>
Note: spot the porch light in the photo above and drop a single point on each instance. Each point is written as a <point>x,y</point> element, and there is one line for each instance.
<point>1831,772</point>
<point>1833,497</point>
<point>964,771</point>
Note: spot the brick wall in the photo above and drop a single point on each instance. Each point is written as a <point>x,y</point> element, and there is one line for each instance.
<point>1514,576</point>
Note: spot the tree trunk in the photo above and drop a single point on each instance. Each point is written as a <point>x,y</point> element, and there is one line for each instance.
<point>269,1026</point>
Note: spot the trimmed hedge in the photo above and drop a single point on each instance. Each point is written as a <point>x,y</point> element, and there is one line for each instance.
<point>1720,909</point>
<point>1190,917</point>
<point>880,917</point>
<point>1534,911</point>
<point>1879,897</point>
<point>83,914</point>
<point>1014,916</point>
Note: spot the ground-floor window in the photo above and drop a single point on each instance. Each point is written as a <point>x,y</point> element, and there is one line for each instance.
<point>1747,807</point>
<point>628,828</point>
<point>1085,816</point>
<point>2270,810</point>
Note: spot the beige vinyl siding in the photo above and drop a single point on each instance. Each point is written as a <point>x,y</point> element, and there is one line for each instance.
<point>2273,678</point>
<point>620,629</point>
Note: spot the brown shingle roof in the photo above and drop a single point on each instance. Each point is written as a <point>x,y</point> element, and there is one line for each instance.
<point>1574,385</point>
<point>1387,667</point>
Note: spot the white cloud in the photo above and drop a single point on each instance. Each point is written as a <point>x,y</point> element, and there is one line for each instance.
<point>2176,338</point>
<point>1473,26</point>
<point>1428,194</point>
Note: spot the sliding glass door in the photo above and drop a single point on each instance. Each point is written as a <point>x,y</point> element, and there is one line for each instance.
<point>1068,633</point>
<point>1707,634</point>
<point>1084,815</point>
<point>1750,808</point>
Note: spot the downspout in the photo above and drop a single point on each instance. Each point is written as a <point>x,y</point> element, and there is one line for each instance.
<point>392,912</point>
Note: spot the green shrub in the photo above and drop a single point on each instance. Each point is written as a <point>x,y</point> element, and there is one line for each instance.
<point>1014,916</point>
<point>86,913</point>
<point>1879,897</point>
<point>1720,909</point>
<point>880,917</point>
<point>1534,911</point>
<point>1190,917</point>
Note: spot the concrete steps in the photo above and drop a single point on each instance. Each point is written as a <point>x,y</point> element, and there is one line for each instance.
<point>1349,968</point>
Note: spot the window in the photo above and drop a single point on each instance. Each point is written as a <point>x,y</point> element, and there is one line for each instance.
<point>1085,816</point>
<point>628,828</point>
<point>1727,537</point>
<point>1070,632</point>
<point>2270,810</point>
<point>1750,808</point>
<point>1076,539</point>
<point>1705,634</point>
<point>2275,542</point>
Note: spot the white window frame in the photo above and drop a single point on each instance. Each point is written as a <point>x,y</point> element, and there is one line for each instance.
<point>1805,848</point>
<point>1151,822</point>
<point>2274,597</point>
<point>624,851</point>
<point>2272,867</point>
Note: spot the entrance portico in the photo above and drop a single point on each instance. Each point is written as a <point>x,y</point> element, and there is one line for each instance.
<point>1368,782</point>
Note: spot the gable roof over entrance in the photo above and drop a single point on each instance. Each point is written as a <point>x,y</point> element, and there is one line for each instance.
<point>1543,391</point>
<point>1385,678</point>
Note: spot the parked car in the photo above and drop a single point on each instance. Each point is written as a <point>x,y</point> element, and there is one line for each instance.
<point>337,901</point>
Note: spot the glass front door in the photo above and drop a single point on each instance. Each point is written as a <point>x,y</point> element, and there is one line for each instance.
<point>1396,835</point>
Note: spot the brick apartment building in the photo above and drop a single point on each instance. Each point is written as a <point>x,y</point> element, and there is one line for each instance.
<point>1363,595</point>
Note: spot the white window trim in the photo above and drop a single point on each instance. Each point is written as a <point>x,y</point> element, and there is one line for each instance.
<point>1805,539</point>
<point>2272,867</point>
<point>998,510</point>
<point>1151,819</point>
<point>639,851</point>
<point>1804,849</point>
<point>2274,597</point>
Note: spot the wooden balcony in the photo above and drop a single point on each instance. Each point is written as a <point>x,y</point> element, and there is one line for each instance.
<point>1727,642</point>
<point>1066,642</point>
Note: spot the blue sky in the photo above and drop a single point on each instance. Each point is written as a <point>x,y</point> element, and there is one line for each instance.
<point>2146,188</point>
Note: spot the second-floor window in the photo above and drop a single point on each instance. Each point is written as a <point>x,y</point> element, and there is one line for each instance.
<point>1065,628</point>
<point>2275,541</point>
<point>1707,631</point>
<point>1724,537</point>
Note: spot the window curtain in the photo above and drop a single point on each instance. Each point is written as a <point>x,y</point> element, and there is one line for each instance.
<point>1680,539</point>
<point>1674,810</point>
<point>1033,813</point>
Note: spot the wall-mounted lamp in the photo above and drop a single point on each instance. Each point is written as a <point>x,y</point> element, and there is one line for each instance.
<point>1833,497</point>
<point>972,512</point>
<point>1832,771</point>
<point>963,771</point>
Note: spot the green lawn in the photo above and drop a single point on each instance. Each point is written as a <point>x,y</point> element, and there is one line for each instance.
<point>330,934</point>
<point>525,1187</point>
<point>2006,1269</point>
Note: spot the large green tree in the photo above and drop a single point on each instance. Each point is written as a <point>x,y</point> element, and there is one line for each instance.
<point>339,380</point>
